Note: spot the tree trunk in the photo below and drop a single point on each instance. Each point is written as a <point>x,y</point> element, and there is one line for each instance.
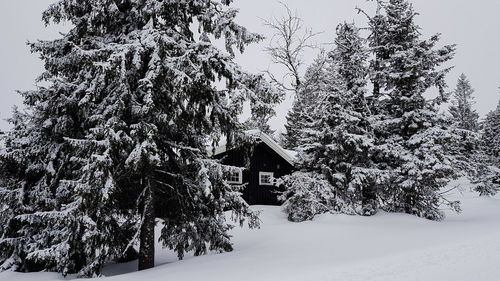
<point>376,89</point>
<point>369,200</point>
<point>147,243</point>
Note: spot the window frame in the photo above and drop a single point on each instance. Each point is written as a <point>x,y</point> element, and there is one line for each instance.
<point>240,177</point>
<point>271,174</point>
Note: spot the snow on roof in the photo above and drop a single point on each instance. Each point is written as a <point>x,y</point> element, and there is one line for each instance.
<point>288,155</point>
<point>292,153</point>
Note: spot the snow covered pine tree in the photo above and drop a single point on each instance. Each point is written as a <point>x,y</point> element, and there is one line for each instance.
<point>461,110</point>
<point>301,115</point>
<point>466,146</point>
<point>58,219</point>
<point>488,176</point>
<point>352,138</point>
<point>491,133</point>
<point>120,135</point>
<point>308,194</point>
<point>409,130</point>
<point>335,136</point>
<point>343,150</point>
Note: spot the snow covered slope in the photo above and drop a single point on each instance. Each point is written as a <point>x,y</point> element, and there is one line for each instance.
<point>386,247</point>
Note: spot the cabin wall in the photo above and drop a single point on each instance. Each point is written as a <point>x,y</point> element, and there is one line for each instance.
<point>263,159</point>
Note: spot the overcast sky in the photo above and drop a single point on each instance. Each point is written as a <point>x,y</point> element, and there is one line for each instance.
<point>472,25</point>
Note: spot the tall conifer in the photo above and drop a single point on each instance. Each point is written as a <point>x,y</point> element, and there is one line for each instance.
<point>119,136</point>
<point>462,112</point>
<point>409,130</point>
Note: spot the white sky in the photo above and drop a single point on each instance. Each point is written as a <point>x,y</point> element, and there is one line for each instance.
<point>472,25</point>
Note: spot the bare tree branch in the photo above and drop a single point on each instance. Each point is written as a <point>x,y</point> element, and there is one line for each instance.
<point>287,45</point>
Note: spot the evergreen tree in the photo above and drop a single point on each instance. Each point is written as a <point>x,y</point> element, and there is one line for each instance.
<point>487,175</point>
<point>377,26</point>
<point>468,157</point>
<point>58,218</point>
<point>410,133</point>
<point>486,160</point>
<point>491,133</point>
<point>461,110</point>
<point>466,151</point>
<point>119,136</point>
<point>342,144</point>
<point>261,112</point>
<point>306,100</point>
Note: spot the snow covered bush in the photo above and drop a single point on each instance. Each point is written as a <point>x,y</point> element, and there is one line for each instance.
<point>488,187</point>
<point>488,181</point>
<point>308,194</point>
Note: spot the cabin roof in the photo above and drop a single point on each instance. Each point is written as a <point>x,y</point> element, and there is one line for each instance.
<point>287,155</point>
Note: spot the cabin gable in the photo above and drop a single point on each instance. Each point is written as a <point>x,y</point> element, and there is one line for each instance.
<point>263,161</point>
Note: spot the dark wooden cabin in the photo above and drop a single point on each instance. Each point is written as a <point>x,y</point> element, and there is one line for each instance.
<point>267,160</point>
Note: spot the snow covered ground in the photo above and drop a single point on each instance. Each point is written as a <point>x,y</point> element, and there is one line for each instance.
<point>385,247</point>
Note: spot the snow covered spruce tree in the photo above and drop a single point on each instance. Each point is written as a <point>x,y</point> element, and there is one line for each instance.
<point>462,111</point>
<point>62,213</point>
<point>308,193</point>
<point>410,132</point>
<point>119,137</point>
<point>301,115</point>
<point>336,137</point>
<point>491,133</point>
<point>463,119</point>
<point>354,137</point>
<point>487,178</point>
<point>342,144</point>
<point>304,103</point>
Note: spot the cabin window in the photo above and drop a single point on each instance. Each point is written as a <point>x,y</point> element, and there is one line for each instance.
<point>235,177</point>
<point>266,178</point>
